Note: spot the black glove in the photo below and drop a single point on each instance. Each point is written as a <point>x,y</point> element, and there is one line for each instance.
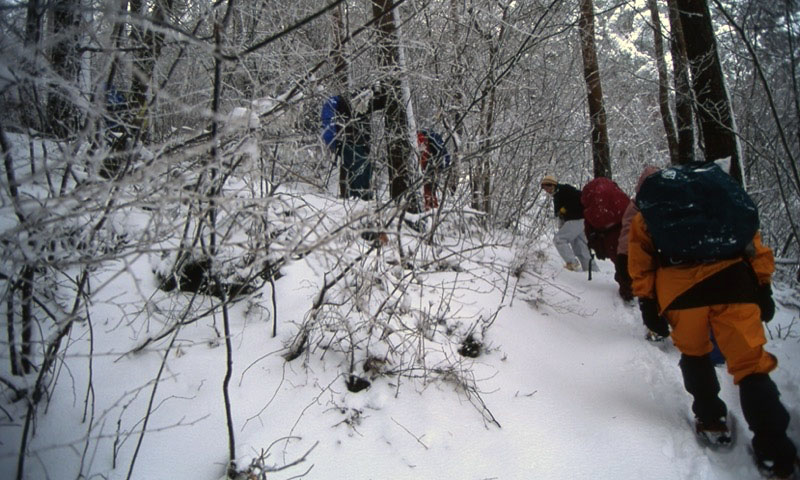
<point>651,318</point>
<point>595,242</point>
<point>623,278</point>
<point>765,303</point>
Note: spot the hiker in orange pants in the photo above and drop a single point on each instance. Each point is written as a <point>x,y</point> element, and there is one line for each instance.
<point>732,297</point>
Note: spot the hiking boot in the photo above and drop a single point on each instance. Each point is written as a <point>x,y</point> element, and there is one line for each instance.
<point>714,432</point>
<point>769,469</point>
<point>654,337</point>
<point>573,266</point>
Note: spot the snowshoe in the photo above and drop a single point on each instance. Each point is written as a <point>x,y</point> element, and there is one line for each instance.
<point>715,434</point>
<point>766,468</point>
<point>654,337</point>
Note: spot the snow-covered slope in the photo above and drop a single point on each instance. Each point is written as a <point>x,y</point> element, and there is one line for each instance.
<point>565,388</point>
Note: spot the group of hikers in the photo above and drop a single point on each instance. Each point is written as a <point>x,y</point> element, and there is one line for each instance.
<point>702,278</point>
<point>594,222</point>
<point>346,131</point>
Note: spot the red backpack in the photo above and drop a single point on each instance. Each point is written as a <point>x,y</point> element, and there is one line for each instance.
<point>604,203</point>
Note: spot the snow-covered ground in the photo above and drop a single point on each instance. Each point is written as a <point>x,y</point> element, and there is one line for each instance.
<point>566,388</point>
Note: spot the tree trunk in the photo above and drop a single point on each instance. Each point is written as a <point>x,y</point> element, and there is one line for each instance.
<point>399,148</point>
<point>66,64</point>
<point>481,167</point>
<point>481,173</point>
<point>31,114</point>
<point>339,62</point>
<point>454,101</point>
<point>23,363</point>
<point>683,93</point>
<point>33,23</point>
<point>26,315</point>
<point>116,40</point>
<point>793,69</point>
<point>713,104</point>
<point>149,44</point>
<point>601,156</point>
<point>16,368</point>
<point>663,85</point>
<point>339,79</point>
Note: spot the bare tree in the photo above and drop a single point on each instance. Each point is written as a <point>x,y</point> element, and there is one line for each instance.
<point>340,71</point>
<point>233,126</point>
<point>396,118</point>
<point>63,116</point>
<point>481,166</point>
<point>601,153</point>
<point>29,95</point>
<point>763,36</point>
<point>714,112</point>
<point>147,40</point>
<point>663,84</point>
<point>684,115</point>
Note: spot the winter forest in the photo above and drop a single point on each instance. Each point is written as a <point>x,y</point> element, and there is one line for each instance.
<point>167,203</point>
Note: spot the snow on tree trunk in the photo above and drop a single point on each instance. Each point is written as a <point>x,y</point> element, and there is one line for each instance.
<point>601,155</point>
<point>66,64</point>
<point>683,94</point>
<point>714,110</point>
<point>663,85</point>
<point>396,117</point>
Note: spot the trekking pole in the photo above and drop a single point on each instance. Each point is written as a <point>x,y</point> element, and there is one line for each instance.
<point>591,259</point>
<point>334,163</point>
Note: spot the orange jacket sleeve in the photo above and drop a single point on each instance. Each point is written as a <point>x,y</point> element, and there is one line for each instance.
<point>642,263</point>
<point>763,261</point>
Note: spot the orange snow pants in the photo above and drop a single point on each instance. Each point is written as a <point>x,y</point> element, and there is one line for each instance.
<point>738,331</point>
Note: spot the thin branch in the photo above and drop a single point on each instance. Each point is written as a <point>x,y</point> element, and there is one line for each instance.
<point>409,432</point>
<point>767,90</point>
<point>150,403</point>
<point>284,32</point>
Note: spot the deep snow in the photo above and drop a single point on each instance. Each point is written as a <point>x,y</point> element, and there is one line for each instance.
<point>568,389</point>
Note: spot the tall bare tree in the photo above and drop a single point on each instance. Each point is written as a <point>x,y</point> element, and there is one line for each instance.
<point>65,60</point>
<point>684,116</point>
<point>601,153</point>
<point>715,115</point>
<point>28,92</point>
<point>663,84</point>
<point>396,116</point>
<point>339,59</point>
<point>340,75</point>
<point>481,167</point>
<point>148,42</point>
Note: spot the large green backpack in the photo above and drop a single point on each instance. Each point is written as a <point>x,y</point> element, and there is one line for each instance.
<point>697,213</point>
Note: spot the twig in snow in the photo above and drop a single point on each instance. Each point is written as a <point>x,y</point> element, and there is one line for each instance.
<point>418,439</point>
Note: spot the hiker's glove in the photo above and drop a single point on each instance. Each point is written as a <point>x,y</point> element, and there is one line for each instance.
<point>765,303</point>
<point>651,318</point>
<point>595,241</point>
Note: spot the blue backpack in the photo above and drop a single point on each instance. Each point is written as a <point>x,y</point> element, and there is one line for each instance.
<point>439,156</point>
<point>115,100</point>
<point>697,213</point>
<point>330,129</point>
